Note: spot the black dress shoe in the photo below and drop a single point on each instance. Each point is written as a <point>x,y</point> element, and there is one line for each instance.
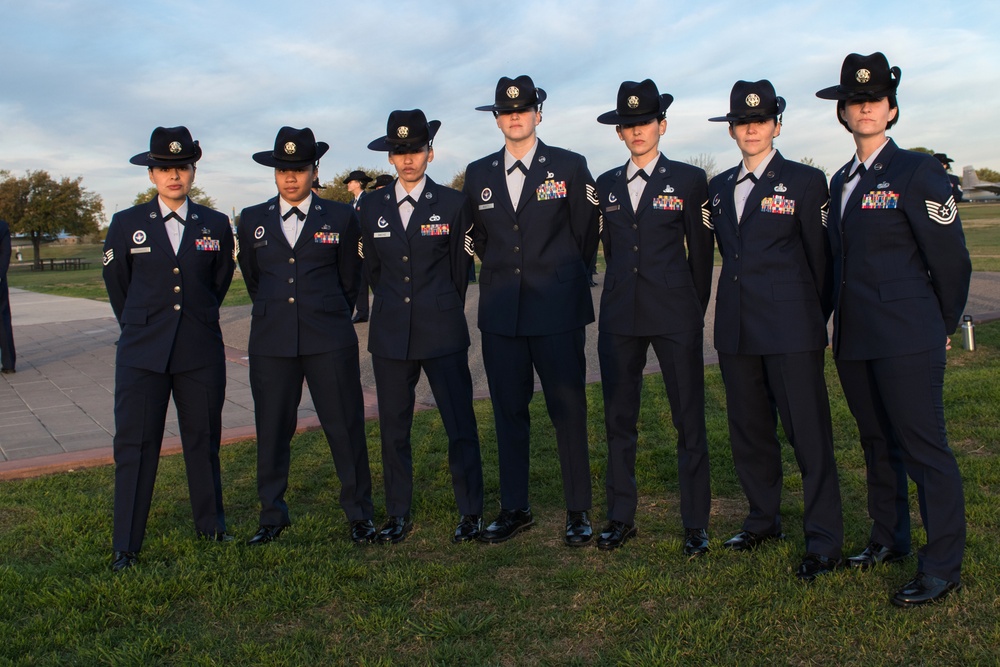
<point>578,529</point>
<point>363,531</point>
<point>265,534</point>
<point>813,565</point>
<point>358,317</point>
<point>8,371</point>
<point>615,534</point>
<point>215,537</point>
<point>507,524</point>
<point>747,541</point>
<point>874,554</point>
<point>395,529</point>
<point>695,542</point>
<point>469,528</point>
<point>923,589</point>
<point>122,560</point>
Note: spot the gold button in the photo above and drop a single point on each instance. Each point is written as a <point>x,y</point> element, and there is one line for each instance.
<point>177,288</point>
<point>291,260</point>
<point>405,258</point>
<point>406,279</point>
<point>177,306</point>
<point>176,270</point>
<point>406,299</point>
<point>291,299</point>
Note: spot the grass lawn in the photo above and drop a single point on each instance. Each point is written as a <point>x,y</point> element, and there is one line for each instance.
<point>313,598</point>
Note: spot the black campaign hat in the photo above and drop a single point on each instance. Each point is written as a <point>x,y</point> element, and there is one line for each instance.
<point>293,148</point>
<point>867,77</point>
<point>359,176</point>
<point>381,181</point>
<point>169,147</point>
<point>637,103</point>
<point>515,95</point>
<point>943,158</point>
<point>406,130</point>
<point>752,100</point>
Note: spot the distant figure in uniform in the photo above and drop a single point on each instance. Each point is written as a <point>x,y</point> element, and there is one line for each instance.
<point>956,182</point>
<point>535,231</point>
<point>168,264</point>
<point>299,258</point>
<point>356,182</point>
<point>380,182</point>
<point>659,251</point>
<point>901,278</point>
<point>316,187</point>
<point>418,246</point>
<point>8,356</point>
<point>772,304</point>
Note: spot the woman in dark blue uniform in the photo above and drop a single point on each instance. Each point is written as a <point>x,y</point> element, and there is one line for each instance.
<point>901,278</point>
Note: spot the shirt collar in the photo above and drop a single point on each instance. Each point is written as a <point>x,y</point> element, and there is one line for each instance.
<point>414,194</point>
<point>632,168</point>
<point>871,158</point>
<point>182,210</point>
<point>285,207</point>
<point>760,167</point>
<point>509,160</point>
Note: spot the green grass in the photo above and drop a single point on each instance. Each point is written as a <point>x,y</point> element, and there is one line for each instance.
<point>312,598</point>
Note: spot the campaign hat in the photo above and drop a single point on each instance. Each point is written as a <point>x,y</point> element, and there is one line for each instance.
<point>864,77</point>
<point>638,103</point>
<point>293,148</point>
<point>406,130</point>
<point>752,100</point>
<point>169,147</point>
<point>381,181</point>
<point>515,94</point>
<point>359,176</point>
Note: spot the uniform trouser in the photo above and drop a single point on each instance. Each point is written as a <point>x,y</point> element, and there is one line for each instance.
<point>451,384</point>
<point>362,306</point>
<point>898,404</point>
<point>559,359</point>
<point>683,369</point>
<point>8,357</point>
<point>141,398</point>
<point>793,385</point>
<point>335,385</point>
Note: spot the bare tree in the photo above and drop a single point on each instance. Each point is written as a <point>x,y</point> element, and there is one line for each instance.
<point>705,161</point>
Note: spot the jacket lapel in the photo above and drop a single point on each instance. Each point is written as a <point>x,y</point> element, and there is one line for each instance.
<point>871,178</point>
<point>654,187</point>
<point>155,227</point>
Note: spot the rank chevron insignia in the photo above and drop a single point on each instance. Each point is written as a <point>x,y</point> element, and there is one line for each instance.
<point>592,194</point>
<point>943,214</point>
<point>706,215</point>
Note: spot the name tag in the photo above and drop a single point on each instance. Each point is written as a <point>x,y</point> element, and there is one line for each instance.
<point>483,207</point>
<point>668,203</point>
<point>332,238</point>
<point>207,245</point>
<point>139,251</point>
<point>777,204</point>
<point>880,199</point>
<point>260,244</point>
<point>612,209</point>
<point>435,230</point>
<point>551,190</point>
<point>382,235</point>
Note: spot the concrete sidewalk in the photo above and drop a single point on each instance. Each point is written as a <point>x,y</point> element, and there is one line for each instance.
<point>56,412</point>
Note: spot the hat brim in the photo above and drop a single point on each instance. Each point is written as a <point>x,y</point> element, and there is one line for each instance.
<point>735,118</point>
<point>147,159</point>
<point>363,181</point>
<point>840,93</point>
<point>614,118</point>
<point>383,144</point>
<point>268,158</point>
<point>540,97</point>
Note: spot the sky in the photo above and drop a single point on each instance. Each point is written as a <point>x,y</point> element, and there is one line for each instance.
<point>83,84</point>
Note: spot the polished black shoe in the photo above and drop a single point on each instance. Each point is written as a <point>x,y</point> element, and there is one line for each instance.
<point>923,589</point>
<point>578,529</point>
<point>614,535</point>
<point>7,371</point>
<point>123,560</point>
<point>469,528</point>
<point>507,524</point>
<point>695,542</point>
<point>265,534</point>
<point>874,554</point>
<point>215,537</point>
<point>395,529</point>
<point>358,317</point>
<point>363,531</point>
<point>813,565</point>
<point>747,541</point>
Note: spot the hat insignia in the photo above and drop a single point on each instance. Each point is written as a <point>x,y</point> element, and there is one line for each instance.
<point>175,147</point>
<point>402,132</point>
<point>290,148</point>
<point>863,75</point>
<point>633,101</point>
<point>513,92</point>
<point>753,99</point>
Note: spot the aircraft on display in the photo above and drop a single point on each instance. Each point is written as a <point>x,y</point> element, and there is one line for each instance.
<point>976,190</point>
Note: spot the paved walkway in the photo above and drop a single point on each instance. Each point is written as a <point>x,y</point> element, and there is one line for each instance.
<point>56,412</point>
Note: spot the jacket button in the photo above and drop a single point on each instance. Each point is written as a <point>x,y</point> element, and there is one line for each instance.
<point>635,248</point>
<point>736,255</point>
<point>177,289</point>
<point>516,228</point>
<point>735,278</point>
<point>176,271</point>
<point>406,299</point>
<point>635,269</point>
<point>291,280</point>
<point>517,248</point>
<point>406,279</point>
<point>177,306</point>
<point>405,258</point>
<point>291,260</point>
<point>517,272</point>
<point>291,299</point>
<point>635,226</point>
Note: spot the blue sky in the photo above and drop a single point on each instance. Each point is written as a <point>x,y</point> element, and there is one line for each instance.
<point>82,84</point>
